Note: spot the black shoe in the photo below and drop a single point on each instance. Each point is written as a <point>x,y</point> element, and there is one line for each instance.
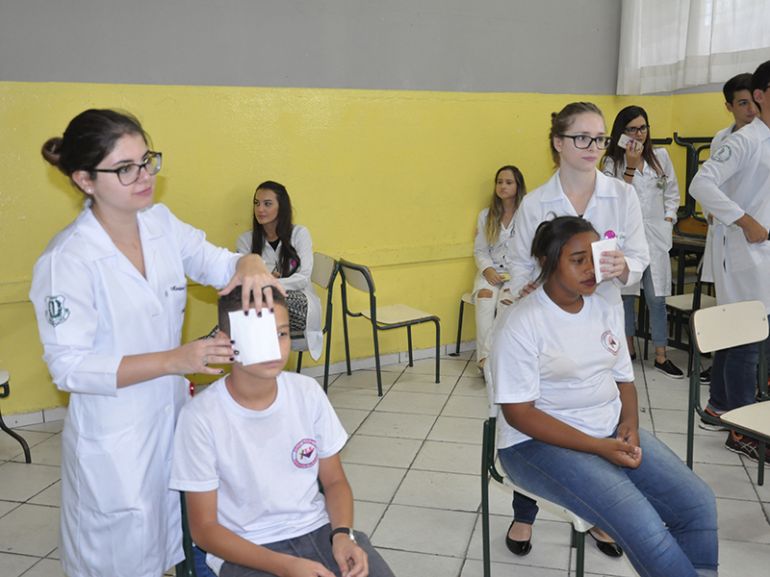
<point>633,356</point>
<point>609,549</point>
<point>670,369</point>
<point>519,548</point>
<point>705,377</point>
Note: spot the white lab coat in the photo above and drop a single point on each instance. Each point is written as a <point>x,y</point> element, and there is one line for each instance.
<point>613,206</point>
<point>707,272</point>
<point>118,516</point>
<point>659,200</point>
<point>733,182</point>
<point>300,280</point>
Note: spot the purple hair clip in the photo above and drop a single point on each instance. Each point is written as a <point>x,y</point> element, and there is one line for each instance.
<point>610,234</point>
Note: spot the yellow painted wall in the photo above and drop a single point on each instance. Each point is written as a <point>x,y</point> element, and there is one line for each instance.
<point>393,179</point>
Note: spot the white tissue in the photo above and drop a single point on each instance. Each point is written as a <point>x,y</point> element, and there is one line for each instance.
<point>256,338</point>
<point>597,248</point>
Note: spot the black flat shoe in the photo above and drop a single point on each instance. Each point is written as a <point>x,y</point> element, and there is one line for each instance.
<point>519,548</point>
<point>609,549</point>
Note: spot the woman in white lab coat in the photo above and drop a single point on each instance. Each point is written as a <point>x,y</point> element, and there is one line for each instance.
<point>288,252</point>
<point>577,188</point>
<point>109,293</point>
<point>631,158</point>
<point>491,251</point>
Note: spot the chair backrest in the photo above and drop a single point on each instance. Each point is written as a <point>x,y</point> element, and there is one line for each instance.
<point>724,326</point>
<point>324,270</point>
<point>357,276</point>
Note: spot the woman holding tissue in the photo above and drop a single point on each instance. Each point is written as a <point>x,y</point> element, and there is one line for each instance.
<point>631,158</point>
<point>288,251</point>
<point>577,138</point>
<point>109,293</point>
<point>570,431</point>
<point>494,231</point>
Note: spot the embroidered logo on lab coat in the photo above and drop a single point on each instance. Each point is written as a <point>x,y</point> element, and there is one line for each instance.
<point>304,454</point>
<point>610,343</point>
<point>722,153</point>
<point>56,313</point>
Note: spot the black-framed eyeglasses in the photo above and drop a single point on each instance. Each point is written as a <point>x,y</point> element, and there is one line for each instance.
<point>583,141</point>
<point>637,129</point>
<point>129,173</point>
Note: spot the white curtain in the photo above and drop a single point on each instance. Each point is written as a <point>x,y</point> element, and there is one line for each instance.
<point>670,44</point>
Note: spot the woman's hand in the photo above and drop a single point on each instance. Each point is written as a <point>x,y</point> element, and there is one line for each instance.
<point>352,560</point>
<point>252,275</point>
<point>620,452</point>
<point>527,288</point>
<point>195,357</point>
<point>492,277</point>
<point>634,154</point>
<point>612,264</point>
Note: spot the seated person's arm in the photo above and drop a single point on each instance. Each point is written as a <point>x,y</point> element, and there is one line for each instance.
<point>628,426</point>
<point>216,539</point>
<point>531,421</point>
<point>351,559</point>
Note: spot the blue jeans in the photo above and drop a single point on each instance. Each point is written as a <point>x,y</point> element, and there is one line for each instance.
<point>657,308</point>
<point>661,513</point>
<point>734,376</point>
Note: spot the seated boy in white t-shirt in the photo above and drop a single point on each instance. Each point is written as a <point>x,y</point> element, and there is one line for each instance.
<point>250,452</point>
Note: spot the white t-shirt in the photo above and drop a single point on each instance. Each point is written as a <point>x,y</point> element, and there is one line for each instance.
<point>569,364</point>
<point>263,464</point>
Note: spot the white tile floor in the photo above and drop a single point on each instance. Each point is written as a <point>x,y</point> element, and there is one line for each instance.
<point>413,461</point>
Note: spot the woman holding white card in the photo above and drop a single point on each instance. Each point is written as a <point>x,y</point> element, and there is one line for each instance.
<point>109,293</point>
<point>630,157</point>
<point>577,137</point>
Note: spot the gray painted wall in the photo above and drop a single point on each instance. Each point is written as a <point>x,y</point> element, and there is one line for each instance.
<point>553,46</point>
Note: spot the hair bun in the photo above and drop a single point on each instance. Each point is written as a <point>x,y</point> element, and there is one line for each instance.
<point>51,150</point>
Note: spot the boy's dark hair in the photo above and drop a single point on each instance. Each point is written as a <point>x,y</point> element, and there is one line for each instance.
<point>736,84</point>
<point>550,238</point>
<point>232,302</point>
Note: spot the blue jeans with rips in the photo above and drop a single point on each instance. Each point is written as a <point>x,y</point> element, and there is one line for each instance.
<point>661,513</point>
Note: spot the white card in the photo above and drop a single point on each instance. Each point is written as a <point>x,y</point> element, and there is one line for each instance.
<point>256,338</point>
<point>597,248</point>
<point>624,140</point>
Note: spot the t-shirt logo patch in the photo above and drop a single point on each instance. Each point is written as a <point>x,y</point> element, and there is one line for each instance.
<point>56,313</point>
<point>304,454</point>
<point>610,343</point>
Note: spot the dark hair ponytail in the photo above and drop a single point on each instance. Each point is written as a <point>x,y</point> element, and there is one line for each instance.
<point>550,238</point>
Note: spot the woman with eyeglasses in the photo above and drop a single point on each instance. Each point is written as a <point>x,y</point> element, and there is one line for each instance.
<point>287,250</point>
<point>577,138</point>
<point>109,293</point>
<point>631,157</point>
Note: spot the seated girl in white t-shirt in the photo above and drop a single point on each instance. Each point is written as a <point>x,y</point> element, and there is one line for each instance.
<point>569,433</point>
<point>250,452</point>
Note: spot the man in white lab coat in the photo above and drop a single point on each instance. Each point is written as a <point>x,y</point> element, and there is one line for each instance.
<point>734,187</point>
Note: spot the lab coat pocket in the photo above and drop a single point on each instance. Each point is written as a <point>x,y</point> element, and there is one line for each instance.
<point>738,253</point>
<point>112,514</point>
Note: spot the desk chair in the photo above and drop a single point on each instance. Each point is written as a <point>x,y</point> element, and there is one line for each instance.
<point>579,527</point>
<point>5,390</point>
<point>382,318</point>
<point>683,305</point>
<point>489,470</point>
<point>324,273</point>
<point>467,298</point>
<point>721,327</point>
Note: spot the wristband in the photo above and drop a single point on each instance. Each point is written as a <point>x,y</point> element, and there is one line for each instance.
<point>347,530</point>
<point>631,174</point>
